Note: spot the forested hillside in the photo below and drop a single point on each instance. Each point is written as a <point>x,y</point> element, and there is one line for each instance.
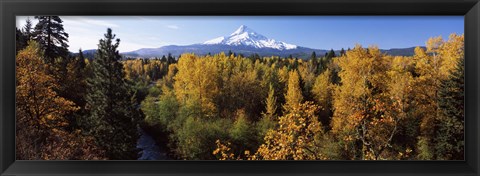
<point>360,104</point>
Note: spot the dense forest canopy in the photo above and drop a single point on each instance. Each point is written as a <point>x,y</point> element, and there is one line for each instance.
<point>362,104</point>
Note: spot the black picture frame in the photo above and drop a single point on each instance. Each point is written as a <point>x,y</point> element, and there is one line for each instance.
<point>9,9</point>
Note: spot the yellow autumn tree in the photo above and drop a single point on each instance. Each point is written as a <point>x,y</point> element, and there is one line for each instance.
<point>298,136</point>
<point>196,82</point>
<point>322,92</point>
<point>40,114</point>
<point>37,102</point>
<point>294,96</point>
<point>433,66</point>
<point>362,109</point>
<point>451,51</point>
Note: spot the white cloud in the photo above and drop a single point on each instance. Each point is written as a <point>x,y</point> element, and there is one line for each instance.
<point>173,26</point>
<point>85,21</point>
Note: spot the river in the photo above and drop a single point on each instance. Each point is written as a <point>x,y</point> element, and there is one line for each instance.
<point>149,149</point>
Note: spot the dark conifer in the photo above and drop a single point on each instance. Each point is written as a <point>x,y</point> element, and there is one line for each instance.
<point>113,111</point>
<point>50,34</point>
<point>449,138</point>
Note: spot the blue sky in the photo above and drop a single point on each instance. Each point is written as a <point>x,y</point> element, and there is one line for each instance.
<point>319,32</point>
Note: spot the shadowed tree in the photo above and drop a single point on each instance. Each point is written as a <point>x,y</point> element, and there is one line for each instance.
<point>113,111</point>
<point>49,33</point>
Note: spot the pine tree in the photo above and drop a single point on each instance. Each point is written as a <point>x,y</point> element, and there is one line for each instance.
<point>313,56</point>
<point>163,59</point>
<point>113,112</point>
<point>50,34</point>
<point>73,86</point>
<point>342,52</point>
<point>170,59</point>
<point>331,54</point>
<point>22,36</point>
<point>27,29</point>
<point>80,64</point>
<point>449,138</point>
<point>20,40</point>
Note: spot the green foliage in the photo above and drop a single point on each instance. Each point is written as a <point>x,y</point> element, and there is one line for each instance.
<point>424,149</point>
<point>449,139</point>
<point>161,111</point>
<point>196,138</point>
<point>240,130</point>
<point>113,114</point>
<point>50,34</point>
<point>363,104</point>
<point>23,35</point>
<point>267,121</point>
<point>42,125</point>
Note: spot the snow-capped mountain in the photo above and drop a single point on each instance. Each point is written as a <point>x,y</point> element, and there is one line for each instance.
<point>243,41</point>
<point>245,36</point>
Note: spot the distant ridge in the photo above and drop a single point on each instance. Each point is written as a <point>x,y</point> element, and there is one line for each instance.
<point>244,41</point>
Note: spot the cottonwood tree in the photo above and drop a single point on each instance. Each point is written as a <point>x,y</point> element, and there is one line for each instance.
<point>362,111</point>
<point>298,137</point>
<point>41,121</point>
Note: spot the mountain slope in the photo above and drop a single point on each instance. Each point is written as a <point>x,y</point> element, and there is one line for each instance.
<point>242,41</point>
<point>247,42</point>
<point>245,36</point>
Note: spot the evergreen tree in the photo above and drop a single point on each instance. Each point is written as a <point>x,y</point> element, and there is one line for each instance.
<point>163,59</point>
<point>342,52</point>
<point>449,138</point>
<point>313,56</point>
<point>27,29</point>
<point>20,40</point>
<point>170,59</point>
<point>331,54</point>
<point>50,34</point>
<point>80,64</point>
<point>113,112</point>
<point>315,62</point>
<point>73,86</point>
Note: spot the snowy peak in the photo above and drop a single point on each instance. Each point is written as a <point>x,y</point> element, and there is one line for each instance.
<point>245,36</point>
<point>243,30</point>
<point>217,40</point>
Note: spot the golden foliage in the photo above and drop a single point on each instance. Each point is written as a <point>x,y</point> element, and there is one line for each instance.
<point>298,136</point>
<point>37,102</point>
<point>40,114</point>
<point>294,96</point>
